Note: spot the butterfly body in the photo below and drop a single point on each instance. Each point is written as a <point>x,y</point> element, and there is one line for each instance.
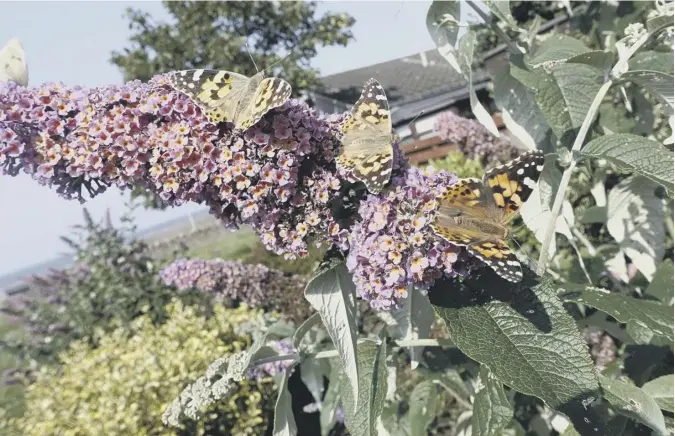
<point>367,152</point>
<point>225,96</point>
<point>475,213</point>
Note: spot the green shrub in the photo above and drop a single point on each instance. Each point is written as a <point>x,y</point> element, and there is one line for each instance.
<point>123,385</point>
<point>114,278</point>
<point>456,162</point>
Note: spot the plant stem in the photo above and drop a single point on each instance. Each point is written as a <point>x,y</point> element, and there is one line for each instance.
<point>334,353</point>
<point>502,35</point>
<point>584,240</point>
<point>567,174</point>
<point>273,359</point>
<point>461,401</point>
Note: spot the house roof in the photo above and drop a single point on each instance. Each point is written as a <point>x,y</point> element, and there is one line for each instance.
<point>409,81</point>
<point>417,82</point>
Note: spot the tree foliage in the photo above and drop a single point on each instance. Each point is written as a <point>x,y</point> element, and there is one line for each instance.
<point>213,35</point>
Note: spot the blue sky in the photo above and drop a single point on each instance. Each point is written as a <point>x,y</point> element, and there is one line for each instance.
<point>71,42</point>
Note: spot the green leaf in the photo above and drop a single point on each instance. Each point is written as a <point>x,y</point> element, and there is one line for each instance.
<point>579,85</point>
<point>501,10</point>
<point>657,24</point>
<point>556,49</point>
<point>443,26</point>
<point>661,285</point>
<point>331,401</point>
<point>649,314</point>
<point>515,429</point>
<point>658,84</point>
<point>652,61</point>
<point>633,402</point>
<point>536,212</point>
<point>602,60</point>
<point>332,294</point>
<point>594,214</point>
<point>423,407</point>
<point>411,321</point>
<point>636,222</point>
<point>284,422</point>
<point>643,111</point>
<point>628,46</point>
<point>661,390</point>
<point>564,96</point>
<point>312,372</point>
<point>361,419</point>
<point>492,411</point>
<point>670,423</point>
<point>520,111</point>
<point>465,58</point>
<point>549,181</point>
<point>450,380</point>
<point>635,154</point>
<point>304,328</point>
<point>522,333</point>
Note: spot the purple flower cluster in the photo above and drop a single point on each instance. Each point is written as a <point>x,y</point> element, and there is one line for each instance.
<point>602,347</point>
<point>279,176</point>
<point>394,247</point>
<point>254,285</point>
<point>283,346</point>
<point>474,140</point>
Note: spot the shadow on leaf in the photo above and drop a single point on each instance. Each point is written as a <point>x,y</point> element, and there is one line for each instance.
<point>485,287</point>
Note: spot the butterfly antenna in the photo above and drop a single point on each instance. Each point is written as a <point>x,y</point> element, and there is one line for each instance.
<point>413,120</point>
<point>248,50</point>
<point>279,61</point>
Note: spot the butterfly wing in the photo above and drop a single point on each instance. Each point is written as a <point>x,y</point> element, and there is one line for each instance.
<point>366,150</point>
<point>498,256</point>
<point>466,197</point>
<point>472,212</point>
<point>13,63</point>
<point>218,93</point>
<point>511,184</point>
<point>268,93</point>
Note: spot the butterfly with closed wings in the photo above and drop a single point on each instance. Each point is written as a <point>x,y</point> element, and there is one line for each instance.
<point>475,213</point>
<point>367,152</point>
<point>225,96</point>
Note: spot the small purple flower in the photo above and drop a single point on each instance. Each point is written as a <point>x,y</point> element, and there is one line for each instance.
<point>254,285</point>
<point>474,140</point>
<point>394,247</point>
<point>271,369</point>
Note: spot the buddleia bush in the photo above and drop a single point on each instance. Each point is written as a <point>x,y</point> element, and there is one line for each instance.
<point>459,163</point>
<point>123,385</point>
<point>114,277</point>
<point>525,355</point>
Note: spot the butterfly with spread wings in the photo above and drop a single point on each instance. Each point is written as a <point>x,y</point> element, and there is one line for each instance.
<point>367,152</point>
<point>476,213</point>
<point>225,96</point>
